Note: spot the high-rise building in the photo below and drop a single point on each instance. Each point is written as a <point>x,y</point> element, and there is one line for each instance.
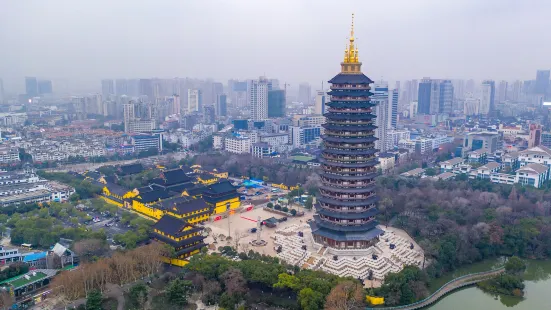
<point>176,105</point>
<point>502,91</point>
<point>146,89</point>
<point>542,82</point>
<point>107,88</point>
<point>276,103</point>
<point>424,95</point>
<point>470,86</point>
<point>133,87</point>
<point>304,93</point>
<point>393,109</point>
<point>485,99</point>
<point>31,86</point>
<point>194,100</point>
<point>128,115</point>
<point>382,111</point>
<point>2,92</point>
<point>492,94</point>
<point>321,100</point>
<point>445,99</point>
<point>345,216</point>
<point>44,87</point>
<point>516,91</point>
<point>535,135</point>
<point>257,98</point>
<point>208,114</point>
<point>222,104</point>
<point>121,87</point>
<point>471,105</point>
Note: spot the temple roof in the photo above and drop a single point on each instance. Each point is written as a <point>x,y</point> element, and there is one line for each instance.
<point>343,78</point>
<point>346,236</point>
<point>349,152</point>
<point>347,228</point>
<point>153,195</point>
<point>350,127</point>
<point>174,226</point>
<point>350,116</point>
<point>368,188</point>
<point>130,169</point>
<point>370,163</point>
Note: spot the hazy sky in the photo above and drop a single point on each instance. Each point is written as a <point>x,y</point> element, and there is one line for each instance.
<point>291,40</point>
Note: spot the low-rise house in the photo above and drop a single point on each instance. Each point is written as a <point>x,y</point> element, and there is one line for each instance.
<point>533,174</point>
<point>451,164</point>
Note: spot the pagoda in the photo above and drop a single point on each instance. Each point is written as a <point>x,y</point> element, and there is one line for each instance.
<point>346,209</point>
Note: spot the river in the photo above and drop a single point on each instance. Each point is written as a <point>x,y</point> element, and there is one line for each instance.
<point>537,291</point>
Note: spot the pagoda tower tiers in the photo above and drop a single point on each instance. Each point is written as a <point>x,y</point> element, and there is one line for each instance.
<point>346,209</point>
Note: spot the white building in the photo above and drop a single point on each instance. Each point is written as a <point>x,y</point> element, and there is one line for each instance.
<point>9,155</point>
<point>303,136</point>
<point>218,142</point>
<point>471,106</point>
<point>262,150</point>
<point>533,174</point>
<point>413,107</point>
<point>238,145</point>
<point>485,100</point>
<point>394,137</point>
<point>539,154</point>
<point>321,100</point>
<point>194,98</point>
<point>451,164</point>
<point>382,110</point>
<point>257,98</point>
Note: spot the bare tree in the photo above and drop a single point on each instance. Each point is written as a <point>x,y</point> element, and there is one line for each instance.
<point>345,296</point>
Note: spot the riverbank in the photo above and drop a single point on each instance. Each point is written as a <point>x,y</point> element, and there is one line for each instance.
<point>537,279</point>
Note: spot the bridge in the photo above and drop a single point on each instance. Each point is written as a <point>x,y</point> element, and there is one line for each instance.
<point>449,287</point>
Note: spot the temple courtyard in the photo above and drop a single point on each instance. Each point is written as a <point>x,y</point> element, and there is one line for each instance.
<point>292,241</point>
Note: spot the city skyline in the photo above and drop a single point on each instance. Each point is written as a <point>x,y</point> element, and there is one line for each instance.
<point>172,38</point>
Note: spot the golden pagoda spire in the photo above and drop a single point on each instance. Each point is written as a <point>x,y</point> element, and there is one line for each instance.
<point>351,63</point>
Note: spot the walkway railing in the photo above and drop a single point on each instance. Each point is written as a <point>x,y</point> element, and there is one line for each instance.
<point>450,286</point>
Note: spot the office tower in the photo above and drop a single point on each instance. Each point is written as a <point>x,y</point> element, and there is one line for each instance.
<point>107,88</point>
<point>176,105</point>
<point>485,99</point>
<point>276,103</point>
<point>44,87</point>
<point>346,212</point>
<point>492,93</point>
<point>146,89</point>
<point>382,111</point>
<point>216,90</point>
<point>1,92</point>
<point>121,87</point>
<point>194,100</point>
<point>393,109</point>
<point>304,93</point>
<point>257,98</point>
<point>446,97</point>
<point>31,86</point>
<point>542,82</point>
<point>516,91</point>
<point>208,114</point>
<point>424,96</point>
<point>222,103</point>
<point>502,91</point>
<point>321,100</point>
<point>414,90</point>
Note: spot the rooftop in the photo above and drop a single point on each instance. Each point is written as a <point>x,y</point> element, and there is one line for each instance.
<point>533,168</point>
<point>453,161</point>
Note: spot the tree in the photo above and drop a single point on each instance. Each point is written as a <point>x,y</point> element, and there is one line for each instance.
<point>293,212</point>
<point>515,265</point>
<point>345,296</point>
<point>178,292</point>
<point>93,301</point>
<point>270,205</point>
<point>310,299</point>
<point>309,203</point>
<point>286,280</point>
<point>234,282</point>
<point>138,296</point>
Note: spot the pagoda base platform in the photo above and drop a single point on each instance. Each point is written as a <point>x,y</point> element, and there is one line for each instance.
<point>391,253</point>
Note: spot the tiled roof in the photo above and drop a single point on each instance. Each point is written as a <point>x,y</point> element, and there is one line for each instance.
<point>175,176</point>
<point>540,149</point>
<point>184,204</point>
<point>130,169</point>
<point>534,167</point>
<point>173,226</point>
<point>152,196</point>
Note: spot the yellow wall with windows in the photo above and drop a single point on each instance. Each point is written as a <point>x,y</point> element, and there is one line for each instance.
<point>149,211</point>
<point>220,207</point>
<point>192,219</point>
